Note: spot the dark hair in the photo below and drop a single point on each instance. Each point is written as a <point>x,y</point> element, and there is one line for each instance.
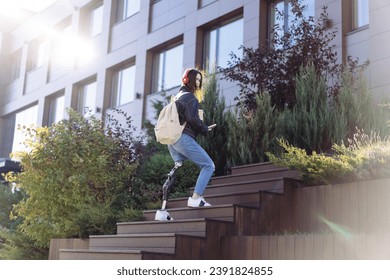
<point>191,85</point>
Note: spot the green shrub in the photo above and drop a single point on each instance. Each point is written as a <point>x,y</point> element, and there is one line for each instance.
<point>366,157</point>
<point>153,174</point>
<point>252,133</point>
<point>308,124</point>
<point>76,175</point>
<point>355,108</point>
<point>15,245</point>
<point>214,142</point>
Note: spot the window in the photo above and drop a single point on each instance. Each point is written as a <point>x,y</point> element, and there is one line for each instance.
<point>123,86</point>
<point>37,53</point>
<point>284,7</point>
<point>221,41</point>
<point>62,51</point>
<point>16,60</point>
<point>361,13</point>
<point>127,8</point>
<point>96,21</point>
<point>167,68</point>
<point>203,3</point>
<point>26,118</point>
<point>57,107</point>
<point>282,16</point>
<point>86,104</point>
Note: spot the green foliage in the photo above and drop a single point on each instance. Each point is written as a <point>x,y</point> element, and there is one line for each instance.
<point>273,65</point>
<point>214,142</point>
<point>252,132</point>
<point>356,109</point>
<point>9,196</point>
<point>76,176</point>
<point>309,124</point>
<point>153,174</point>
<point>15,245</point>
<point>366,157</point>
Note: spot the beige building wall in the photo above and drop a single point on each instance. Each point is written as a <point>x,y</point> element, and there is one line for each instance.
<point>134,40</point>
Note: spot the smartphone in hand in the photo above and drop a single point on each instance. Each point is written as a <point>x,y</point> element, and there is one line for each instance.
<point>212,126</point>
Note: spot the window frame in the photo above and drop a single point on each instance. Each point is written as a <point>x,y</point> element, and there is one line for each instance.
<point>156,67</point>
<point>217,28</point>
<point>356,17</point>
<point>16,65</point>
<point>32,116</point>
<point>53,110</point>
<point>82,98</point>
<point>91,12</point>
<point>121,9</point>
<point>37,54</point>
<point>286,19</point>
<point>116,96</point>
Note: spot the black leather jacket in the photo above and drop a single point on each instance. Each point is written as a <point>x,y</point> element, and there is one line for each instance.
<point>187,106</point>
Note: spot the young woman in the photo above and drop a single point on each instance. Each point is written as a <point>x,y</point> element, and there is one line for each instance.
<point>187,147</point>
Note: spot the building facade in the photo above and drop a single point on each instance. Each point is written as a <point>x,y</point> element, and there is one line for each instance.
<point>124,54</point>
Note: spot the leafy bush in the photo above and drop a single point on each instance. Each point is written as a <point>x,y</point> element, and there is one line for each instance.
<point>76,175</point>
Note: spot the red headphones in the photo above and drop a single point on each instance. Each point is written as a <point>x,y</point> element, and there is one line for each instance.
<point>185,78</point>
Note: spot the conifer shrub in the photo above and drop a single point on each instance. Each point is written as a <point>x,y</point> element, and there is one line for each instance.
<point>213,106</point>
<point>252,132</point>
<point>365,157</point>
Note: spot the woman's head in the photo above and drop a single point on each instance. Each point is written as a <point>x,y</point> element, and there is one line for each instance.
<point>192,79</point>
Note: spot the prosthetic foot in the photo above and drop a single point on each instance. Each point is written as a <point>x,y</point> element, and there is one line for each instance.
<point>163,215</point>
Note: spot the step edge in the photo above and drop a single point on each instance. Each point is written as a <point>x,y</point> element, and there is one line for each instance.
<point>136,235</point>
<point>199,220</point>
<point>254,173</point>
<point>125,251</point>
<point>245,182</point>
<point>192,208</point>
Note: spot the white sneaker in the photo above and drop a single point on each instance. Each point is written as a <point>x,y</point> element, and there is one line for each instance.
<point>197,202</point>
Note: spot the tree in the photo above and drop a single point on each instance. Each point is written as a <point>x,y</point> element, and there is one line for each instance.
<point>214,142</point>
<point>76,175</point>
<point>272,66</point>
<point>252,132</point>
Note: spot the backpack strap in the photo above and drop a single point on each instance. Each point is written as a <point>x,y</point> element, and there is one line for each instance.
<point>180,94</point>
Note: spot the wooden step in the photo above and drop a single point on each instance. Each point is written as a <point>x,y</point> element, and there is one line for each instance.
<point>189,226</point>
<point>250,176</point>
<point>86,254</point>
<point>271,185</point>
<point>151,242</point>
<point>221,212</point>
<point>257,167</point>
<point>219,199</point>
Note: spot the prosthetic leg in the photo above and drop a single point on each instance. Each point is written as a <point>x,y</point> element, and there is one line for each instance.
<point>163,215</point>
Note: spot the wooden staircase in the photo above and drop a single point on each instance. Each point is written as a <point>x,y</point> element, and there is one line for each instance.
<point>195,233</point>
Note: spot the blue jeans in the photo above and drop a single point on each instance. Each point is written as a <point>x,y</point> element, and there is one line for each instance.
<point>187,148</point>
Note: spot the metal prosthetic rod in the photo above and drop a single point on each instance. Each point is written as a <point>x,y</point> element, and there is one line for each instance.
<point>169,184</point>
<point>163,215</point>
